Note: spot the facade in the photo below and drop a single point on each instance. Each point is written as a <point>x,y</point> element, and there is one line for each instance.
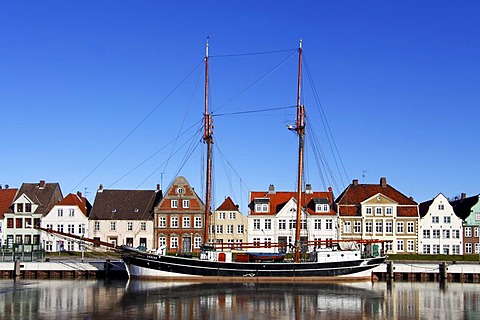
<point>273,217</point>
<point>440,229</point>
<point>378,211</point>
<point>6,199</point>
<point>228,225</point>
<point>468,209</point>
<point>69,216</point>
<point>179,218</point>
<point>32,202</point>
<point>124,217</point>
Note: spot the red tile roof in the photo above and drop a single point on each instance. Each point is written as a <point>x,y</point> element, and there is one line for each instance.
<point>278,199</point>
<point>349,201</point>
<point>6,199</point>
<point>74,200</point>
<point>227,205</point>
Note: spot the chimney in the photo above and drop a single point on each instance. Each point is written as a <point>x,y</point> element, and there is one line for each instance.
<point>100,188</point>
<point>158,186</point>
<point>355,182</point>
<point>308,188</point>
<point>464,195</point>
<point>271,189</point>
<point>42,184</point>
<point>79,194</point>
<point>383,182</point>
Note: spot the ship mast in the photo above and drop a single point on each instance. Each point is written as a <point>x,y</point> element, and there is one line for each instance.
<point>208,139</point>
<point>300,129</point>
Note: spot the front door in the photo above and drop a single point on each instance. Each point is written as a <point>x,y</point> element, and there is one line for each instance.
<point>187,244</point>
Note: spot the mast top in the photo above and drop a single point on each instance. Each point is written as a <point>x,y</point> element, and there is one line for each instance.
<point>301,41</point>
<point>206,47</point>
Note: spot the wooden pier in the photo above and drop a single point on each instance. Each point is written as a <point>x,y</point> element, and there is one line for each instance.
<point>62,269</point>
<point>428,271</point>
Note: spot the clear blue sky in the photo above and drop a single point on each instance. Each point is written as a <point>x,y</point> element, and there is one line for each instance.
<point>398,82</point>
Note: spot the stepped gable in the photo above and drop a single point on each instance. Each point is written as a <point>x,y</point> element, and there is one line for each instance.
<point>6,200</point>
<point>45,195</point>
<point>123,204</point>
<point>227,205</point>
<point>463,206</point>
<point>349,200</point>
<point>77,200</point>
<point>278,199</point>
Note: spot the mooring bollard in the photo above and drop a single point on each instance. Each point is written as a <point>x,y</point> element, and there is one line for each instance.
<point>442,270</point>
<point>389,270</point>
<point>16,268</point>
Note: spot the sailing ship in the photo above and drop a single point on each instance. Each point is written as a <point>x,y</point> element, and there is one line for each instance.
<point>330,259</point>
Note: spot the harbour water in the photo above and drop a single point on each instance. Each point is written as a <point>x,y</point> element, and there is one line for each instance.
<point>123,299</point>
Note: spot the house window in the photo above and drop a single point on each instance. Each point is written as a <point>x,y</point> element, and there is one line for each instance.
<point>186,204</point>
<point>400,245</point>
<point>455,234</point>
<point>468,232</point>
<point>357,227</point>
<point>240,229</point>
<point>221,215</point>
<point>19,207</point>
<point>292,224</point>
<point>81,229</point>
<point>256,224</point>
<point>174,242</point>
<point>368,210</point>
<point>455,249</point>
<point>389,226</point>
<point>400,227</point>
<point>230,229</point>
<point>268,224</point>
<point>197,242</point>
<point>318,224</point>
<point>60,228</point>
<point>446,249</point>
<point>180,190</point>
<point>329,224</point>
<point>71,228</point>
<point>60,212</point>
<point>303,224</point>
<point>71,212</point>
<point>232,216</point>
<point>477,216</point>
<point>162,222</point>
<point>468,248</point>
<point>447,219</point>
<point>97,226</point>
<point>369,226</point>
<point>379,226</point>
<point>219,229</point>
<point>436,249</point>
<point>174,222</point>
<point>426,249</point>
<point>113,226</point>
<point>446,234</point>
<point>435,219</point>
<point>129,226</point>
<point>378,211</point>
<point>162,241</point>
<point>28,223</point>
<point>18,223</point>
<point>261,207</point>
<point>186,222</point>
<point>389,211</point>
<point>476,232</point>
<point>426,234</point>
<point>28,207</point>
<point>347,228</point>
<point>10,223</point>
<point>410,227</point>
<point>174,203</point>
<point>410,245</point>
<point>436,234</point>
<point>282,224</point>
<point>441,207</point>
<point>198,222</point>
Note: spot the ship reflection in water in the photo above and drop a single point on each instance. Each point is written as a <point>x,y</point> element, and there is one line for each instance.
<point>92,299</point>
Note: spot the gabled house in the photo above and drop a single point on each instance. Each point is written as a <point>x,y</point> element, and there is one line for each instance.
<point>468,209</point>
<point>179,218</point>
<point>32,202</point>
<point>69,216</point>
<point>440,230</point>
<point>6,200</point>
<point>273,217</point>
<point>228,225</point>
<point>124,217</point>
<point>379,211</point>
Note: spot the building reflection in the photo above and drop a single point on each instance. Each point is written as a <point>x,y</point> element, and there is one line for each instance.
<point>92,299</point>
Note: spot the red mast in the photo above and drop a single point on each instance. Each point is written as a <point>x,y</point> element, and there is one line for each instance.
<point>300,129</point>
<point>208,139</point>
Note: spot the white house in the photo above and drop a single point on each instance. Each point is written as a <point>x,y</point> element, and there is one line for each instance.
<point>440,229</point>
<point>68,216</point>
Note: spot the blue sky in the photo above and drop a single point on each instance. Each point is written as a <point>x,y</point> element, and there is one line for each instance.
<point>93,91</point>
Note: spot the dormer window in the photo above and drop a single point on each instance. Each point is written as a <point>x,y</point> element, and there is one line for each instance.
<point>19,207</point>
<point>261,205</point>
<point>321,205</point>
<point>28,207</point>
